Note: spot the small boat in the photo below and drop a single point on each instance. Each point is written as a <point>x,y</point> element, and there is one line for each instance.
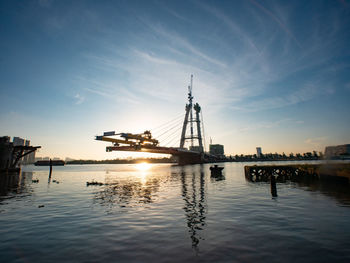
<point>216,170</point>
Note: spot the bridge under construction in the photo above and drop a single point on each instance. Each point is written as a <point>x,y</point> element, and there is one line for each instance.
<point>190,149</point>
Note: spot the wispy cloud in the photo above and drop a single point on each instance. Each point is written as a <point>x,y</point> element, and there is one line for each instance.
<point>267,103</point>
<point>79,99</point>
<point>179,41</point>
<point>173,12</point>
<point>109,91</point>
<point>241,81</point>
<point>99,92</point>
<point>278,21</point>
<point>234,27</point>
<point>317,142</point>
<point>269,125</point>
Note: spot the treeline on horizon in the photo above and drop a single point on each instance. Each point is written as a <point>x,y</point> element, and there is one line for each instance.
<point>232,158</point>
<point>124,161</point>
<point>276,156</point>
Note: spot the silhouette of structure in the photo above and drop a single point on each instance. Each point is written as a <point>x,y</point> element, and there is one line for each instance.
<point>144,142</point>
<point>11,153</point>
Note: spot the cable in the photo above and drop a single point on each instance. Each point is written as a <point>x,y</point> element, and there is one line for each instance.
<point>175,139</point>
<point>205,148</point>
<point>160,126</point>
<point>171,136</point>
<point>171,125</point>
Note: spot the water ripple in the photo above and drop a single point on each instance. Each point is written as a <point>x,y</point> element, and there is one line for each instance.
<point>169,214</point>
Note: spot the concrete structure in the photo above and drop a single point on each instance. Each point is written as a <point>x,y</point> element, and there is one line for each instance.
<point>337,151</point>
<point>6,148</point>
<point>196,149</point>
<point>12,153</point>
<point>216,149</point>
<point>258,152</point>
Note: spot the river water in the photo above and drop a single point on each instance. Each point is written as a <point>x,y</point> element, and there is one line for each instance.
<point>167,213</point>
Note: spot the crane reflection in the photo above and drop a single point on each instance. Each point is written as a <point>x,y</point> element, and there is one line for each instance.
<point>193,193</point>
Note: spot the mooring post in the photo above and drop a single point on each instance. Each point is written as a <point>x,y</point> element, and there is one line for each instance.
<point>50,170</point>
<point>273,186</point>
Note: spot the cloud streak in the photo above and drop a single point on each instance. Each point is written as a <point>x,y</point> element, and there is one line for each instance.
<point>279,22</point>
<point>269,125</point>
<point>317,142</point>
<point>306,93</point>
<point>79,99</point>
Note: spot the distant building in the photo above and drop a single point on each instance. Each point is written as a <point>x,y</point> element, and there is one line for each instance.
<point>258,152</point>
<point>216,149</point>
<point>25,158</point>
<point>17,141</point>
<point>30,158</point>
<point>337,151</point>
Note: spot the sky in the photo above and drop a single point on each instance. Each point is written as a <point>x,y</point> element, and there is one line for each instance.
<point>269,74</point>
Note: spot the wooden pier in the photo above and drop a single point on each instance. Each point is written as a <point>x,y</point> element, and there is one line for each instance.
<point>299,172</point>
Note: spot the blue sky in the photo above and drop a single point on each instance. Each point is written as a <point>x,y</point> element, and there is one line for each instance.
<point>273,74</point>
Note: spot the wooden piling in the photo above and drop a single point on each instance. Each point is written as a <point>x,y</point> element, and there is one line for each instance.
<point>50,170</point>
<point>273,186</point>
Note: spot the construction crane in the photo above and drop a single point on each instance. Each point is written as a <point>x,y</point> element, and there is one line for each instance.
<point>129,139</point>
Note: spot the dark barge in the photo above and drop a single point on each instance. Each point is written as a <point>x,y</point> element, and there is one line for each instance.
<point>48,163</point>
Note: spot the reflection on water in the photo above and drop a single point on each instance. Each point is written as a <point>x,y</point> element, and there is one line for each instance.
<point>127,192</point>
<point>193,193</point>
<point>166,213</point>
<point>143,166</point>
<point>217,178</point>
<point>142,189</point>
<point>12,185</point>
<point>337,189</point>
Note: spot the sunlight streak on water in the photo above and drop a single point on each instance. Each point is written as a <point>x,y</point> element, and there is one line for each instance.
<point>143,166</point>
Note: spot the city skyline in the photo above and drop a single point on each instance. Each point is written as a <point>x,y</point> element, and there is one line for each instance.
<point>271,74</point>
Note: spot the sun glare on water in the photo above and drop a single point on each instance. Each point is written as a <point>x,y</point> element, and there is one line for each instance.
<point>143,166</point>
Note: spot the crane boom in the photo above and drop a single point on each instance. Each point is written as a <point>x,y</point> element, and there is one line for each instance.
<point>129,138</point>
